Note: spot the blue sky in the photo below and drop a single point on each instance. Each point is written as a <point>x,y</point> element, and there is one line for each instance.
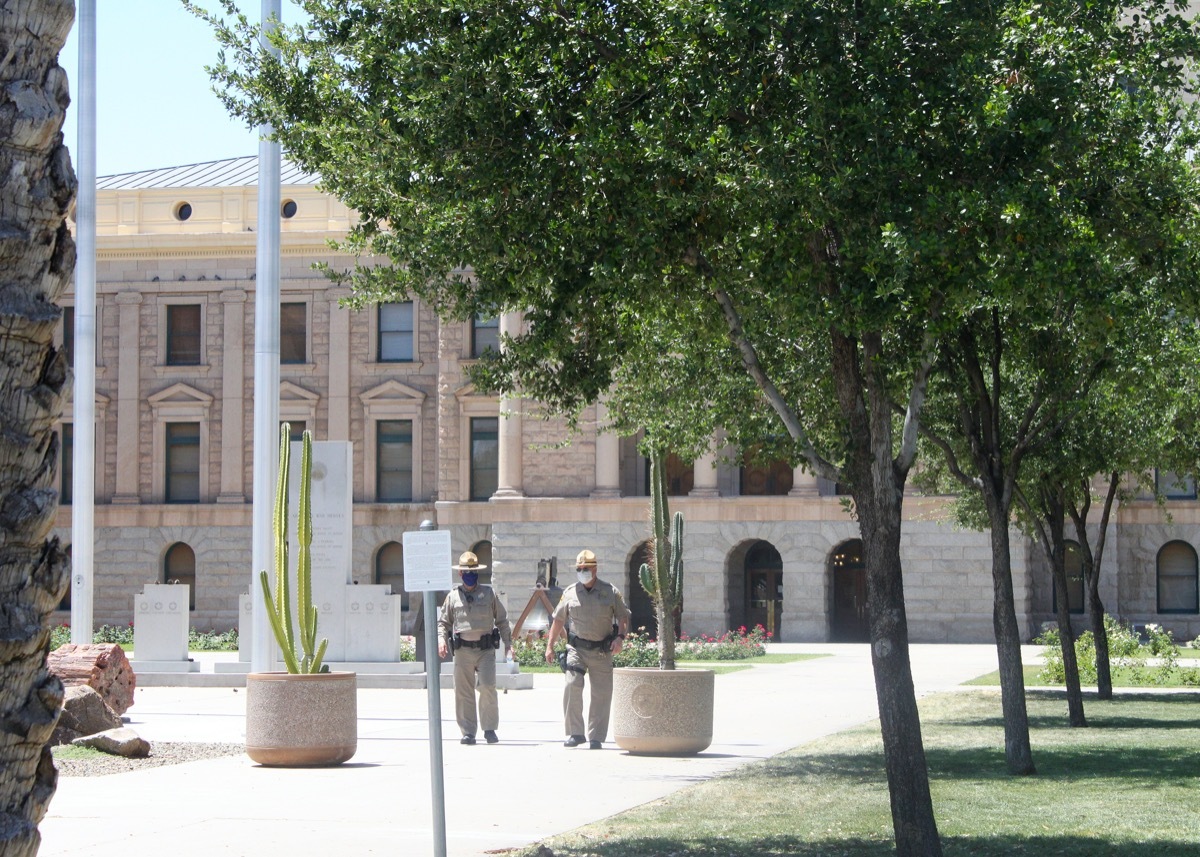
<point>154,102</point>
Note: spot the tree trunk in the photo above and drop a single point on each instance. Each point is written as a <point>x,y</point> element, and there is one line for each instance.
<point>1092,563</point>
<point>877,485</point>
<point>1104,685</point>
<point>1095,608</point>
<point>37,257</point>
<point>903,749</point>
<point>1066,635</point>
<point>1017,752</point>
<point>980,407</point>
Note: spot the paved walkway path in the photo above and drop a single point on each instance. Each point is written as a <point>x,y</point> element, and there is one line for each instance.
<point>502,796</point>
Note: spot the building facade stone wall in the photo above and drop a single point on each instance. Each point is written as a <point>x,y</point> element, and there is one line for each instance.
<point>148,260</point>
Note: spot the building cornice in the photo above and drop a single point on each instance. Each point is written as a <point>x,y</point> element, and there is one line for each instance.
<point>215,245</point>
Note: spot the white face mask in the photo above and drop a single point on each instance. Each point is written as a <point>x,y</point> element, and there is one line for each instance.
<point>585,577</point>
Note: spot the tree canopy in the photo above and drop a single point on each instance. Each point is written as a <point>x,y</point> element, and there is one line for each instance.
<point>763,217</point>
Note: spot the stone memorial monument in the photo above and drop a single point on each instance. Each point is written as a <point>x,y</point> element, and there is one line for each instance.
<point>160,629</point>
<point>363,623</point>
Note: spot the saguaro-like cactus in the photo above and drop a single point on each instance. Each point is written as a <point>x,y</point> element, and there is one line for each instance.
<point>307,658</point>
<point>664,581</point>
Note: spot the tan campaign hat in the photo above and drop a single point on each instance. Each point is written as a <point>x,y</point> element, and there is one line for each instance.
<point>586,559</point>
<point>468,562</point>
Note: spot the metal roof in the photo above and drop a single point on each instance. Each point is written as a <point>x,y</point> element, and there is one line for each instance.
<point>232,172</point>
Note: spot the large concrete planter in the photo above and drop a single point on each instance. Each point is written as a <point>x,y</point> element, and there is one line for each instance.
<point>662,712</point>
<point>295,720</point>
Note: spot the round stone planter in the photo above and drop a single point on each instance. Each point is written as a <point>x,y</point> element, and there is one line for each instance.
<point>301,720</point>
<point>662,712</point>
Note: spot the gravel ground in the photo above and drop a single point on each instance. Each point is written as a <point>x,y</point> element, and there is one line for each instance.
<point>97,764</point>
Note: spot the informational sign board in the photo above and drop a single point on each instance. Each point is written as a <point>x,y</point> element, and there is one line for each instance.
<point>427,561</point>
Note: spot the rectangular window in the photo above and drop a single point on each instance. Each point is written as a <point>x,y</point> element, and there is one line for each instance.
<point>1174,486</point>
<point>183,335</point>
<point>296,430</point>
<point>681,477</point>
<point>69,334</point>
<point>293,333</point>
<point>485,335</point>
<point>485,457</point>
<point>396,332</point>
<point>393,461</point>
<point>66,470</point>
<point>763,477</point>
<point>183,463</point>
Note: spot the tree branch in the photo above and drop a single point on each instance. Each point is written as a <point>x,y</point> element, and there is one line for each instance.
<point>750,361</point>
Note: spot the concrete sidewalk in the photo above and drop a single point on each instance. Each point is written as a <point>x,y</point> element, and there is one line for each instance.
<point>501,796</point>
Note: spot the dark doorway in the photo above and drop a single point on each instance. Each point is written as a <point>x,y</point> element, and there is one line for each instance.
<point>764,588</point>
<point>641,608</point>
<point>851,624</point>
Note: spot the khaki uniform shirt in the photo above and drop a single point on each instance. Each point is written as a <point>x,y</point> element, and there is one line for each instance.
<point>591,614</point>
<point>472,615</point>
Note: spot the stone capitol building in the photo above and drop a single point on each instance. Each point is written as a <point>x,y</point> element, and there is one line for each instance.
<point>768,545</point>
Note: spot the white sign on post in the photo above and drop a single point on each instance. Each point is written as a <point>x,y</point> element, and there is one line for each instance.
<point>427,561</point>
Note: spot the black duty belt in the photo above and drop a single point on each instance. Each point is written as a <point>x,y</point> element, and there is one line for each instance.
<point>596,645</point>
<point>485,643</point>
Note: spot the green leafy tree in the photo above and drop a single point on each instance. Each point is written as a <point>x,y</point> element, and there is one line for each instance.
<point>37,256</point>
<point>1140,416</point>
<point>755,216</point>
<point>1103,217</point>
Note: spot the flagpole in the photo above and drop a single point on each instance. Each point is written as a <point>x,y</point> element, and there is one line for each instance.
<point>266,372</point>
<point>83,451</point>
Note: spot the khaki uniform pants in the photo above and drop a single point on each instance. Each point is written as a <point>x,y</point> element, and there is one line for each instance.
<point>600,679</point>
<point>475,667</point>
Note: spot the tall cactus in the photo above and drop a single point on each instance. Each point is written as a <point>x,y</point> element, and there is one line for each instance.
<point>664,581</point>
<point>308,658</point>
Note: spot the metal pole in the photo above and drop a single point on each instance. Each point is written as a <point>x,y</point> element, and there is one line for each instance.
<point>266,374</point>
<point>433,685</point>
<point>83,453</point>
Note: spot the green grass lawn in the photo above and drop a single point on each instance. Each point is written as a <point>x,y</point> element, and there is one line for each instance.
<point>1121,676</point>
<point>1128,786</point>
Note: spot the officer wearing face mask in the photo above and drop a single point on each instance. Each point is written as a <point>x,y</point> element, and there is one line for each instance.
<point>595,618</point>
<point>472,623</point>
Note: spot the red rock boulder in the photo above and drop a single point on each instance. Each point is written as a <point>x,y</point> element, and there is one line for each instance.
<point>101,666</point>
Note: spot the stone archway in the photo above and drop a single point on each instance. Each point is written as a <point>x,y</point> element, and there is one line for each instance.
<point>754,576</point>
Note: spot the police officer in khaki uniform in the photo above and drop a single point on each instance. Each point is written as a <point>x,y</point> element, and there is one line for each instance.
<point>595,617</point>
<point>472,623</point>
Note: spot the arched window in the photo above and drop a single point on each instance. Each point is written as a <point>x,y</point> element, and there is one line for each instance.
<point>389,570</point>
<point>179,566</point>
<point>1177,579</point>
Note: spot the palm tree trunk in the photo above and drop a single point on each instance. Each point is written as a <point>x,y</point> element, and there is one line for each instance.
<point>37,257</point>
